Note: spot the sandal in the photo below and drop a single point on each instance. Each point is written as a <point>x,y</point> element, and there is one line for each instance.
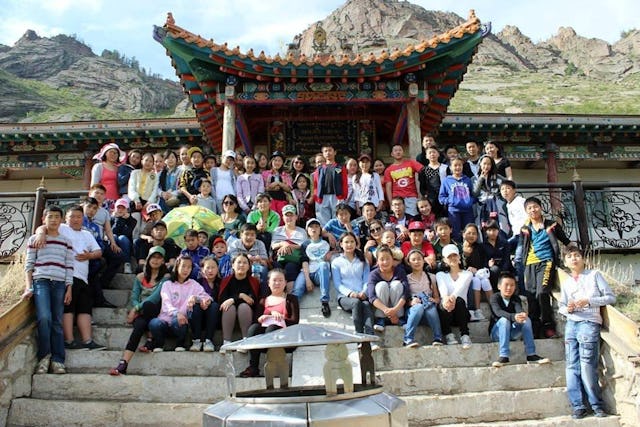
<point>147,347</point>
<point>121,369</point>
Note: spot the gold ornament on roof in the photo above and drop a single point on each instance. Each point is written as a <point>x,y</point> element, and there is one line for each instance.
<point>319,38</point>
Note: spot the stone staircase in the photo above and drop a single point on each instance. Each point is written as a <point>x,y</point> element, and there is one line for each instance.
<point>442,385</point>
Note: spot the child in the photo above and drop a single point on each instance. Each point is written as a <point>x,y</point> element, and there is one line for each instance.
<point>584,292</point>
<point>416,241</point>
<point>194,251</point>
<point>509,322</point>
<point>265,219</point>
<point>389,239</point>
<point>249,185</point>
<point>144,305</point>
<point>367,186</point>
<point>223,178</point>
<point>206,316</point>
<point>219,251</point>
<point>426,215</point>
<point>204,197</point>
<point>475,261</point>
<point>350,273</point>
<point>254,249</point>
<point>143,185</point>
<point>496,250</point>
<point>315,266</point>
<point>541,252</point>
<point>388,290</point>
<point>158,236</point>
<point>443,233</point>
<point>330,184</point>
<point>487,191</point>
<point>122,226</point>
<point>453,287</point>
<point>402,180</point>
<point>400,219</point>
<point>179,294</point>
<point>277,182</point>
<point>48,277</point>
<point>424,301</point>
<point>190,179</point>
<point>303,198</point>
<point>364,222</point>
<point>374,240</point>
<point>203,238</point>
<point>280,310</point>
<point>456,195</point>
<point>339,225</point>
<point>431,178</point>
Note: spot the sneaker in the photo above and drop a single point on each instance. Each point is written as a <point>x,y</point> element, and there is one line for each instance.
<point>375,347</point>
<point>600,413</point>
<point>127,268</point>
<point>326,310</point>
<point>579,414</point>
<point>465,341</point>
<point>158,350</point>
<point>92,345</point>
<point>534,358</point>
<point>500,362</point>
<point>451,339</point>
<point>250,372</point>
<point>378,327</point>
<point>73,345</point>
<point>224,342</point>
<point>208,346</point>
<point>550,333</point>
<point>472,316</point>
<point>480,315</point>
<point>411,344</point>
<point>179,348</point>
<point>437,342</point>
<point>58,368</point>
<point>121,369</point>
<point>43,365</point>
<point>196,346</point>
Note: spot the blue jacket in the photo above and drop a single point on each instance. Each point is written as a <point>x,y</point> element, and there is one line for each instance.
<point>457,194</point>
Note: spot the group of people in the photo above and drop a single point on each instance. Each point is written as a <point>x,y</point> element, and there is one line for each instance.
<point>415,242</point>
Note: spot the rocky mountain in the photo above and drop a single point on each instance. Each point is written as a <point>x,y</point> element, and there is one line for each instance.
<point>62,76</point>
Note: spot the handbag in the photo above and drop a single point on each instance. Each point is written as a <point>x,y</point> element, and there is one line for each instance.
<point>294,256</point>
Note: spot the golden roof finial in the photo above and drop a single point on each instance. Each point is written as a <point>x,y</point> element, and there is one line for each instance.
<point>170,20</point>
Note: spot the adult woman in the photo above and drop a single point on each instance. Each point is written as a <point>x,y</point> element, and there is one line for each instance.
<point>277,182</point>
<point>299,165</point>
<point>105,172</point>
<point>375,233</point>
<point>144,305</point>
<point>143,184</point>
<point>503,166</point>
<point>232,217</point>
<point>286,242</point>
<point>367,186</point>
<point>280,310</point>
<point>262,162</point>
<point>134,159</point>
<point>238,297</point>
<point>168,182</point>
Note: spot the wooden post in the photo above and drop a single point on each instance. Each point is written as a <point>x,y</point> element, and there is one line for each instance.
<point>415,137</point>
<point>555,195</point>
<point>581,211</point>
<point>38,208</point>
<point>88,165</point>
<point>229,121</point>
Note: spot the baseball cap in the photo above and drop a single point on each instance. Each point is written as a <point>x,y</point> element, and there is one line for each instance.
<point>417,226</point>
<point>192,150</point>
<point>159,224</point>
<point>289,209</point>
<point>152,207</point>
<point>122,202</point>
<point>312,221</point>
<point>228,153</point>
<point>157,250</point>
<point>364,156</point>
<point>219,240</point>
<point>449,250</point>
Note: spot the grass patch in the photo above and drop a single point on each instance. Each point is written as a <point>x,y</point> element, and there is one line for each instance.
<point>621,281</point>
<point>12,284</point>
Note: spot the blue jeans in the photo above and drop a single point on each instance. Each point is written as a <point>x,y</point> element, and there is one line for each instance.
<point>126,245</point>
<point>582,351</point>
<point>505,331</point>
<point>159,329</point>
<point>319,278</point>
<point>49,299</point>
<point>418,314</point>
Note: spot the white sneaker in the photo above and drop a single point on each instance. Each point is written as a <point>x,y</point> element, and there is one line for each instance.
<point>43,365</point>
<point>208,346</point>
<point>465,341</point>
<point>480,315</point>
<point>158,350</point>
<point>375,347</point>
<point>451,339</point>
<point>224,342</point>
<point>127,268</point>
<point>472,316</point>
<point>180,349</point>
<point>378,328</point>
<point>196,346</point>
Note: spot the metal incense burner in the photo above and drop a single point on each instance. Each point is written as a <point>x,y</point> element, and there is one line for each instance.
<point>362,404</point>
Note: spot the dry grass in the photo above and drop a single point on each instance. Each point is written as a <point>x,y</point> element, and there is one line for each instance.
<point>621,280</point>
<point>12,284</point>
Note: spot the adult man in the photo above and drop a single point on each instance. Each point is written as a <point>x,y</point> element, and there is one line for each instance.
<point>330,185</point>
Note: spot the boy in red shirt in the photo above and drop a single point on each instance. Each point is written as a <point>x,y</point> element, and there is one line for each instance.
<point>401,179</point>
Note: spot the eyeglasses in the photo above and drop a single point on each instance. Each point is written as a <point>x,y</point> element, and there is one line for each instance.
<point>228,203</point>
<point>375,229</point>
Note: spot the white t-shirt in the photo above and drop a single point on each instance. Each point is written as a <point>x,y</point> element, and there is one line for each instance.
<point>517,214</point>
<point>224,183</point>
<point>447,286</point>
<point>81,241</point>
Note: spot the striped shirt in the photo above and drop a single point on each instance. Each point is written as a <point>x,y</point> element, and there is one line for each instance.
<point>54,261</point>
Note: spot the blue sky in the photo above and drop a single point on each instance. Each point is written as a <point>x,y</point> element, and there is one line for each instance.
<point>269,24</point>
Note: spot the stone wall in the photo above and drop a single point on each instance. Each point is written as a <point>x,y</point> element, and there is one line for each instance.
<point>16,369</point>
<point>621,384</point>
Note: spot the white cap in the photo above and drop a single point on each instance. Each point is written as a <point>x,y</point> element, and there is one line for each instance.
<point>449,250</point>
<point>228,153</point>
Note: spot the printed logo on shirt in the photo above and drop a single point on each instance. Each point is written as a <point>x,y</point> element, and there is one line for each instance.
<point>402,176</point>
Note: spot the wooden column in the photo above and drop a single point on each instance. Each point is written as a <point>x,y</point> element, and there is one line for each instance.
<point>229,121</point>
<point>88,165</point>
<point>415,137</point>
<point>555,194</point>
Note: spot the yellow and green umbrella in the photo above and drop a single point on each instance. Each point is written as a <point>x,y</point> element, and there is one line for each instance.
<point>179,220</point>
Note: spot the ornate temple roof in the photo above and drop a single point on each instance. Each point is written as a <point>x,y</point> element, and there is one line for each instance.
<point>435,67</point>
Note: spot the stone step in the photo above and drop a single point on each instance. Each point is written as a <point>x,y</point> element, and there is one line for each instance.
<point>139,388</point>
<point>122,281</point>
<point>487,406</point>
<point>117,297</point>
<point>166,363</point>
<point>561,421</point>
<point>83,413</point>
<point>449,381</point>
<point>116,337</point>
